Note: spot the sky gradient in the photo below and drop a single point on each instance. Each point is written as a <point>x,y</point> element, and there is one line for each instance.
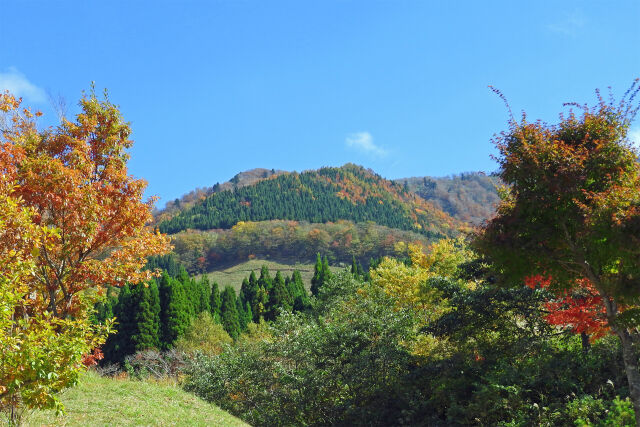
<point>212,88</point>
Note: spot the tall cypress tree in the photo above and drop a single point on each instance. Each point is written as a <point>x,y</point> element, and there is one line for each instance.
<point>265,280</point>
<point>251,295</point>
<point>279,298</point>
<point>119,344</point>
<point>316,281</point>
<point>262,298</point>
<point>216,303</point>
<point>204,288</point>
<point>230,320</point>
<point>244,290</point>
<point>242,315</point>
<point>146,316</point>
<point>298,292</point>
<point>248,314</point>
<point>326,273</point>
<point>175,318</point>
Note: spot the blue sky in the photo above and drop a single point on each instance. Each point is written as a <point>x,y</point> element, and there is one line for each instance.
<point>212,88</point>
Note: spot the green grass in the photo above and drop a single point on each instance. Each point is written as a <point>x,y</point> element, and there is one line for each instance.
<point>233,276</point>
<point>99,401</point>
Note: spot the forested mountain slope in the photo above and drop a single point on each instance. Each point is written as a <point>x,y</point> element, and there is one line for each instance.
<point>325,195</point>
<point>470,197</point>
<point>242,179</point>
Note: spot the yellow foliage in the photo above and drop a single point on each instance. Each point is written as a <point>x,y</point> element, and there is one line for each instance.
<point>408,284</point>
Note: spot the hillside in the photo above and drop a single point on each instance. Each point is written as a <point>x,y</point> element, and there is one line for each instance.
<point>234,275</point>
<point>468,197</point>
<point>242,179</point>
<point>100,401</point>
<point>288,242</point>
<point>325,195</point>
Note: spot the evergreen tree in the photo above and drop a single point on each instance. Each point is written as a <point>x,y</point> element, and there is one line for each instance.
<point>230,320</point>
<point>216,303</point>
<point>298,292</point>
<point>119,344</point>
<point>146,315</point>
<point>248,315</point>
<point>261,301</point>
<point>205,294</point>
<point>244,291</point>
<point>174,315</point>
<point>354,266</point>
<point>265,280</point>
<point>316,281</point>
<point>326,273</point>
<point>251,295</point>
<point>279,298</point>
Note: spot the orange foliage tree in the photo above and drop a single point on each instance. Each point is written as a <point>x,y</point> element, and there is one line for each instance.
<point>73,181</point>
<point>579,309</point>
<point>572,210</point>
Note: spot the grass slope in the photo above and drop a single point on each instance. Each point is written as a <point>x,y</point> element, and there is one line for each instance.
<point>233,276</point>
<point>99,401</point>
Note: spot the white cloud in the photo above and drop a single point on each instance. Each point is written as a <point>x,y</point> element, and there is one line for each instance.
<point>18,84</point>
<point>569,26</point>
<point>363,141</point>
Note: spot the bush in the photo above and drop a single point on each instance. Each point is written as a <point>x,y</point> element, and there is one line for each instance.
<point>342,367</point>
<point>205,336</point>
<point>155,364</point>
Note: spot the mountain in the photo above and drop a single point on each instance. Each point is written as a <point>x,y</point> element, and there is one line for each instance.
<point>329,194</point>
<point>240,180</point>
<point>469,197</point>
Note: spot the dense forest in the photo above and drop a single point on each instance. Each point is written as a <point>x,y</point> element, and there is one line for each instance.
<point>469,197</point>
<point>160,313</point>
<point>290,241</point>
<point>329,194</point>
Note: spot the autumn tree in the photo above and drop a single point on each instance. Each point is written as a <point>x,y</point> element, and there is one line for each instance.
<point>571,210</point>
<point>39,356</point>
<point>75,179</point>
<point>73,182</point>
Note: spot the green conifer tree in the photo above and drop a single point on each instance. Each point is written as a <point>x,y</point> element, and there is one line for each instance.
<point>146,317</point>
<point>316,281</point>
<point>230,320</point>
<point>175,318</point>
<point>248,315</point>
<point>204,288</point>
<point>215,303</point>
<point>326,272</point>
<point>119,345</point>
<point>279,298</point>
<point>244,290</point>
<point>251,295</point>
<point>298,292</point>
<point>354,266</point>
<point>265,280</point>
<point>242,319</point>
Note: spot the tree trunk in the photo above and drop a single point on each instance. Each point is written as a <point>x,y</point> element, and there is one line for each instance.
<point>630,359</point>
<point>629,354</point>
<point>586,345</point>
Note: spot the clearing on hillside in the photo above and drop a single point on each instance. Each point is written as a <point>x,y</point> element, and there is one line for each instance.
<point>233,276</point>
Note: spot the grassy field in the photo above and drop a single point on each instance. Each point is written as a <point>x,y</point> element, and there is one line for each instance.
<point>233,276</point>
<point>99,401</point>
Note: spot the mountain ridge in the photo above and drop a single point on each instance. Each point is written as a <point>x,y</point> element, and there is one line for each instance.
<point>349,192</point>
